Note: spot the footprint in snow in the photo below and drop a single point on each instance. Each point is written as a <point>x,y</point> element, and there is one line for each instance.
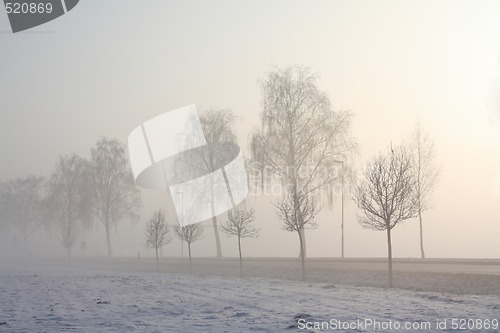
<point>302,316</point>
<point>329,286</point>
<point>103,302</point>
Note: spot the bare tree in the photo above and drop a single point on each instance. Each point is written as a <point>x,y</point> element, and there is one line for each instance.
<point>301,137</point>
<point>426,174</point>
<point>157,233</point>
<point>112,187</point>
<point>68,200</point>
<point>240,224</point>
<point>297,212</point>
<point>22,202</point>
<point>386,195</point>
<point>219,150</point>
<point>217,126</point>
<point>189,234</point>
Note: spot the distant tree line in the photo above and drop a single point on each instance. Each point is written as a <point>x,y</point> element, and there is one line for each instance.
<point>77,194</point>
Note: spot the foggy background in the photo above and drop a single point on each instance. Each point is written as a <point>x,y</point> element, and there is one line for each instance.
<point>107,66</point>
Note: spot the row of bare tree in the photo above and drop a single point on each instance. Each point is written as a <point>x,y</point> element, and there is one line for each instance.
<point>299,145</point>
<point>158,233</point>
<point>78,193</point>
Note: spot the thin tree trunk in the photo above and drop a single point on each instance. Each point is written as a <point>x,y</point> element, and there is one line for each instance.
<point>422,253</point>
<point>241,260</point>
<point>108,240</point>
<point>389,255</point>
<point>214,217</point>
<point>157,261</point>
<point>302,232</point>
<point>301,241</point>
<point>68,237</point>
<point>298,209</point>
<point>190,264</point>
<point>303,247</point>
<point>217,239</point>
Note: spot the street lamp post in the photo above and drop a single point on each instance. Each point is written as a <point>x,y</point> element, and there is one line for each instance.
<point>342,203</point>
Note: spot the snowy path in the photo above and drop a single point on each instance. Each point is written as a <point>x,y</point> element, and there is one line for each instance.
<point>45,300</point>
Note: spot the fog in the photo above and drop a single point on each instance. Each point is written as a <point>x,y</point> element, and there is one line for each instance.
<point>107,67</point>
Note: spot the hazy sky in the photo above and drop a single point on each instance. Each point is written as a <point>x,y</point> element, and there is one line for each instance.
<point>108,66</point>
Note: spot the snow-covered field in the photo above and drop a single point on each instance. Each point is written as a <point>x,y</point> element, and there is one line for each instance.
<point>122,295</point>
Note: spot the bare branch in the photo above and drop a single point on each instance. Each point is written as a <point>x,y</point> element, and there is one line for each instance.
<point>387,194</point>
<point>240,224</point>
<point>189,233</point>
<point>157,231</point>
